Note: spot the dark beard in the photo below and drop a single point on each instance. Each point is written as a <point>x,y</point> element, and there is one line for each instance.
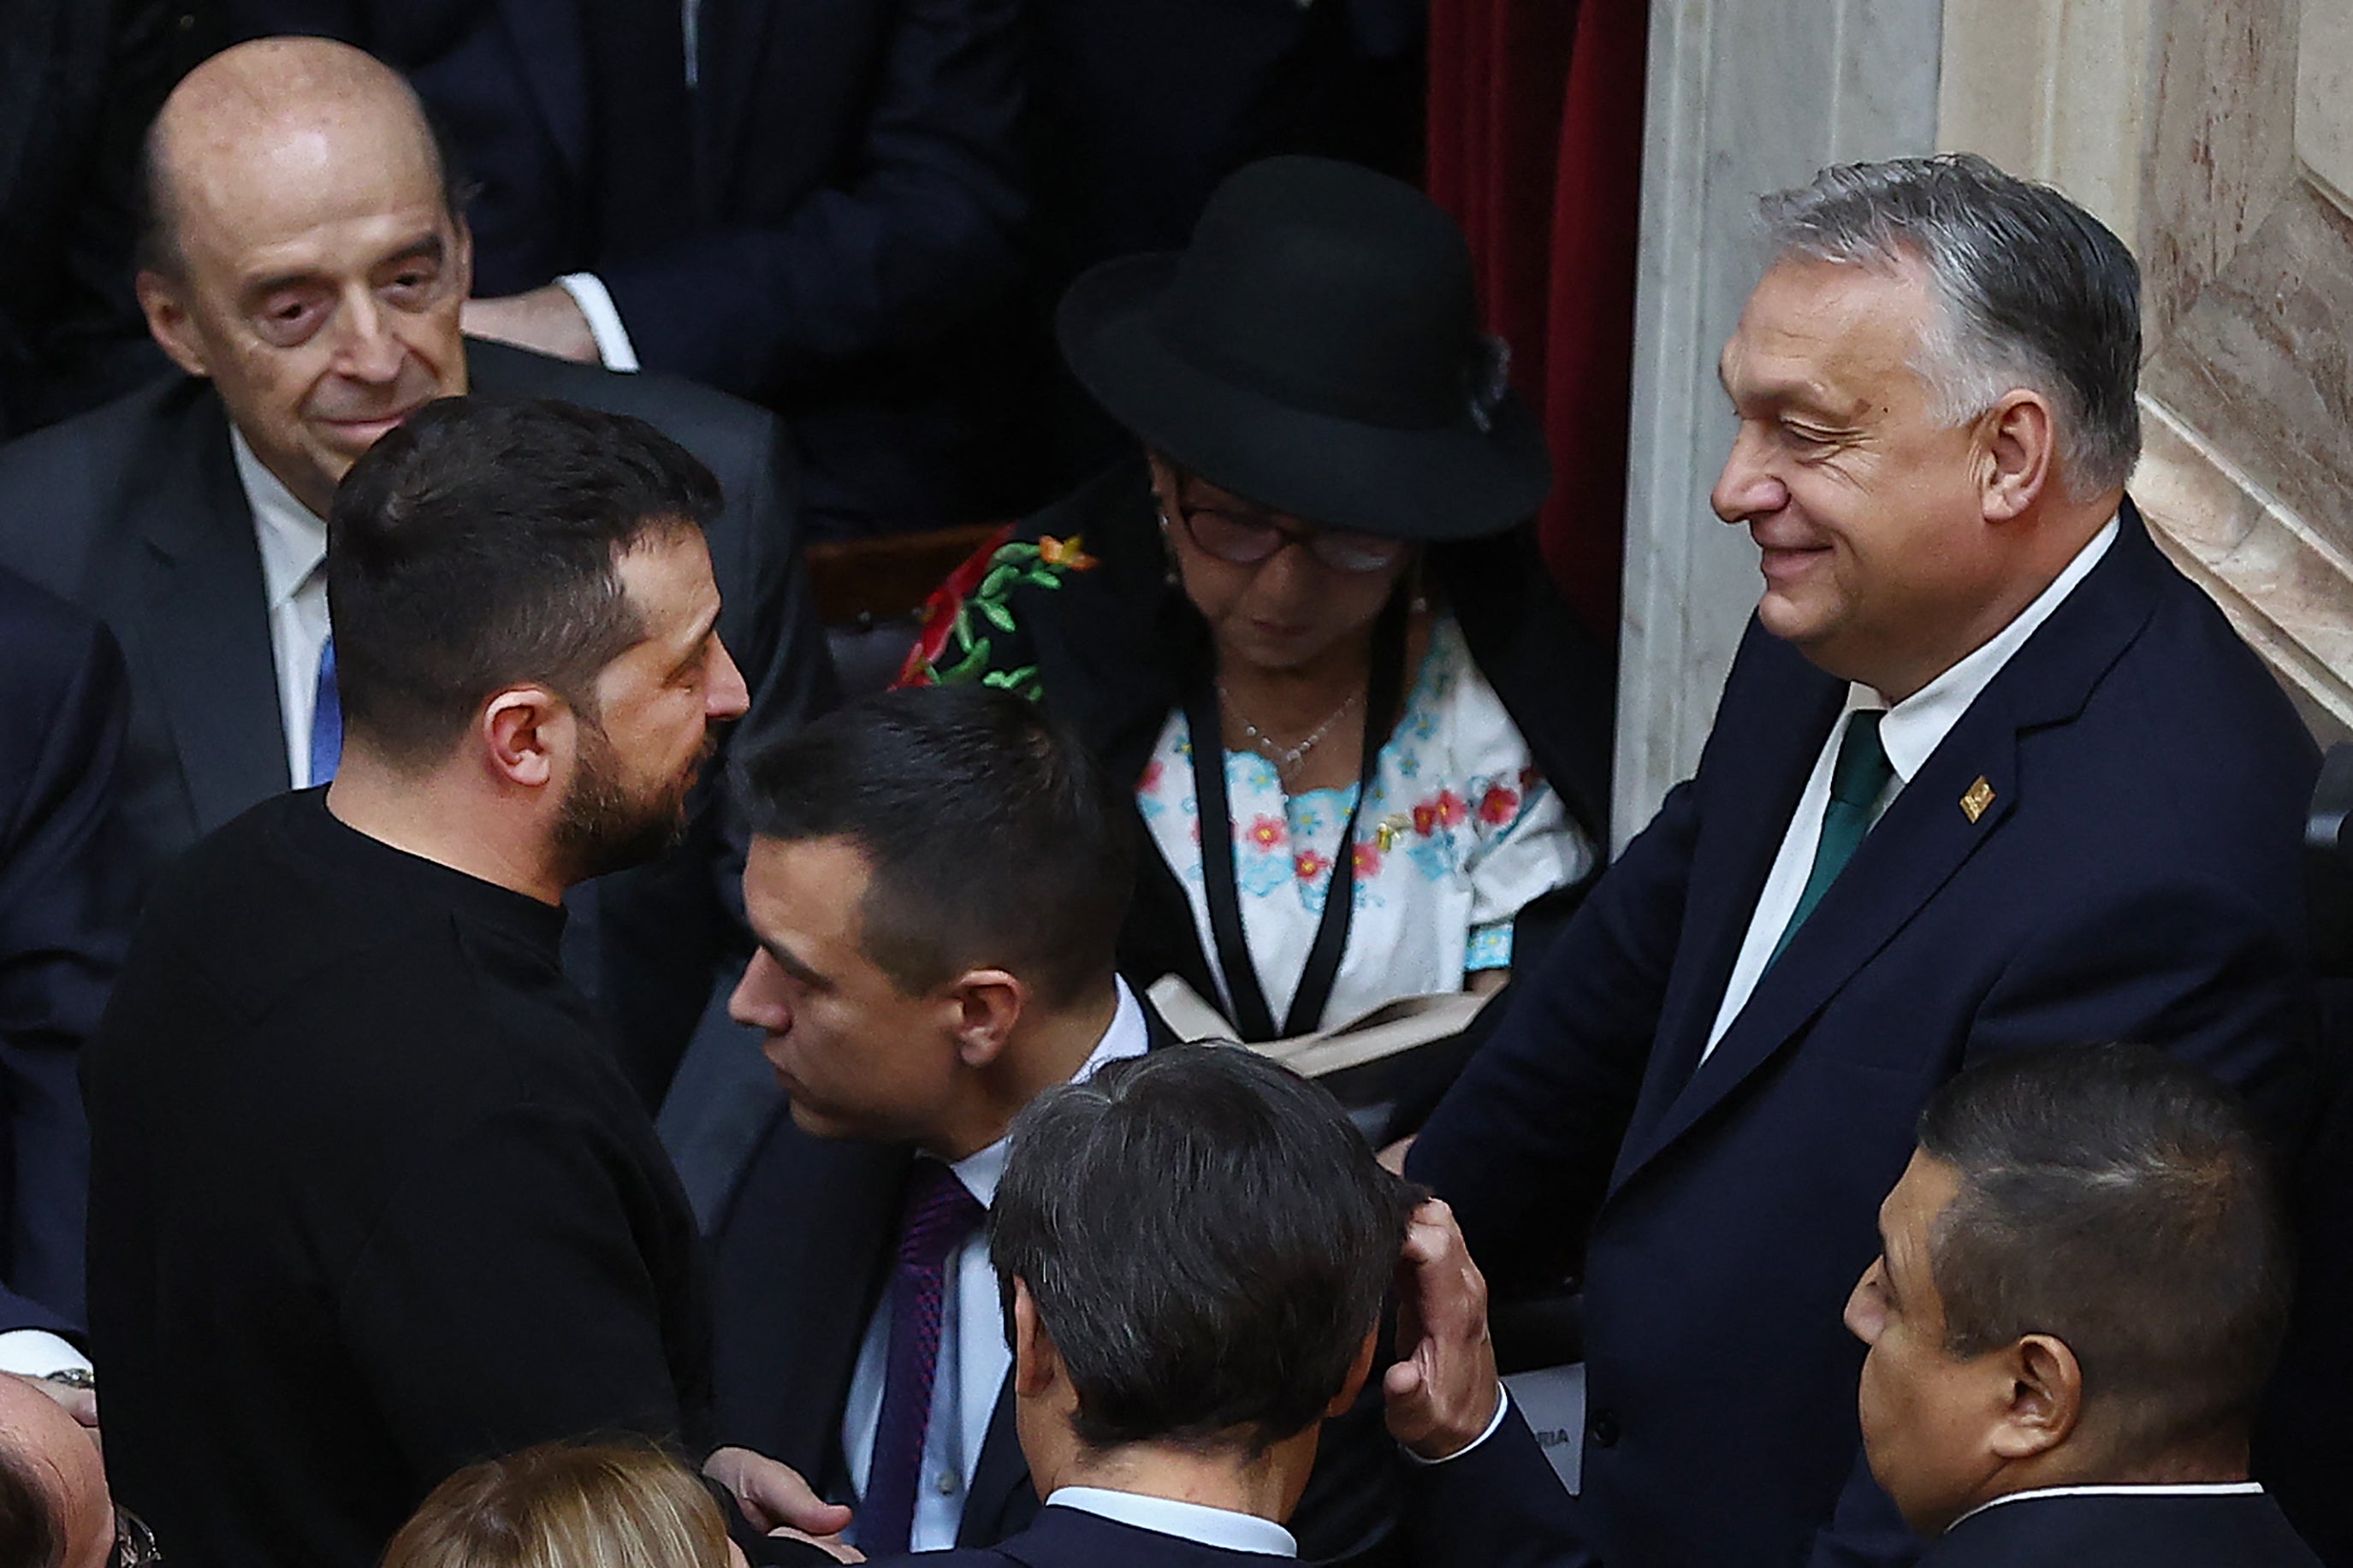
<point>602,828</point>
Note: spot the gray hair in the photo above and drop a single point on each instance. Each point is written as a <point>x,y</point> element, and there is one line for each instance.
<point>2030,290</point>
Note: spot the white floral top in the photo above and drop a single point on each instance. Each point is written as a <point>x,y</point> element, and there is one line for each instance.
<point>1459,833</point>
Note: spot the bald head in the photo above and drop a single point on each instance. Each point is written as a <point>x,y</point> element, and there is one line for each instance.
<point>272,114</point>
<point>54,1506</point>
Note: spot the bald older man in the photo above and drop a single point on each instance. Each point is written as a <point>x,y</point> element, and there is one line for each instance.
<point>304,263</point>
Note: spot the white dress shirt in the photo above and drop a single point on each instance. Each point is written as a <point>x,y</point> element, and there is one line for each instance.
<point>1912,731</point>
<point>1223,1528</point>
<point>2186,1489</point>
<point>293,541</point>
<point>971,1341</point>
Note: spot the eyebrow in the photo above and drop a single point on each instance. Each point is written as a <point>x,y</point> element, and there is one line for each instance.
<point>699,645</point>
<point>428,246</point>
<point>791,965</point>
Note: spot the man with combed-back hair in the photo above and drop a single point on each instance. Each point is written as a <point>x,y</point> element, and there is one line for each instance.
<point>1988,772</point>
<point>2084,1279</point>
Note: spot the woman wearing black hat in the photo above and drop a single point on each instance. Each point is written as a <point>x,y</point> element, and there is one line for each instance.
<point>1314,561</point>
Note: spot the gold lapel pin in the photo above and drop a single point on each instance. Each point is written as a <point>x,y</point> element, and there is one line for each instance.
<point>1980,796</point>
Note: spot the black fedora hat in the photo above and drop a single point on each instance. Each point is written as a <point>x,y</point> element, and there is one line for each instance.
<point>1316,349</point>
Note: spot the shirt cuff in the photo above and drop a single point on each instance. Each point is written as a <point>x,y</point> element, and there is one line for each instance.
<point>1503,1405</point>
<point>37,1352</point>
<point>595,302</point>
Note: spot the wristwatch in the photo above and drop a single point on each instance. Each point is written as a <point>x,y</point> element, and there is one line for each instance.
<point>73,1377</point>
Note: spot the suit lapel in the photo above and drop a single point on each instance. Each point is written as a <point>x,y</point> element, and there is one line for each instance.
<point>1924,837</point>
<point>840,1243</point>
<point>206,620</point>
<point>733,41</point>
<point>554,59</point>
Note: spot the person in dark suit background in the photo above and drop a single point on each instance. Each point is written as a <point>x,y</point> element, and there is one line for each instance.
<point>936,880</point>
<point>314,304</point>
<point>1988,772</point>
<point>78,82</point>
<point>66,905</point>
<point>815,206</point>
<point>2083,1282</point>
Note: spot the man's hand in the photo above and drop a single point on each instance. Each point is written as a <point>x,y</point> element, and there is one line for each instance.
<point>1442,1395</point>
<point>546,319</point>
<point>774,1497</point>
<point>81,1404</point>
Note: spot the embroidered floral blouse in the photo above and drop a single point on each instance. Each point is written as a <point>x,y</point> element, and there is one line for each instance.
<point>1460,832</point>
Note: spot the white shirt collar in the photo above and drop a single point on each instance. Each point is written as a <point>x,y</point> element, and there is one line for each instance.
<point>1127,1037</point>
<point>292,537</point>
<point>1220,1527</point>
<point>2184,1489</point>
<point>1915,727</point>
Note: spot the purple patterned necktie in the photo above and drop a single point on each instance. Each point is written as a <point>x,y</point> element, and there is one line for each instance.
<point>938,1215</point>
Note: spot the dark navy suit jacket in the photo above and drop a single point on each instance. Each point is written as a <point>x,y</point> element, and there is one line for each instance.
<point>2241,1530</point>
<point>840,220</point>
<point>66,905</point>
<point>2135,874</point>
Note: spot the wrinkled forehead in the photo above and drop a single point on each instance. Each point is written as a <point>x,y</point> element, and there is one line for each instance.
<point>236,177</point>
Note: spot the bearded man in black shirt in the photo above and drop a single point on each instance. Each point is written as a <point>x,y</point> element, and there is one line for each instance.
<point>371,1198</point>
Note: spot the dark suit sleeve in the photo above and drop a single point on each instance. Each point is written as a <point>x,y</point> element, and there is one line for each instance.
<point>1521,1146</point>
<point>505,1299</point>
<point>918,240</point>
<point>1498,1506</point>
<point>66,895</point>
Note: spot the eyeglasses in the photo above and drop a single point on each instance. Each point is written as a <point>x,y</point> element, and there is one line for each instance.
<point>1243,539</point>
<point>134,1543</point>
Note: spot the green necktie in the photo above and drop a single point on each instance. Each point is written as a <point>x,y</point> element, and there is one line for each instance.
<point>1856,784</point>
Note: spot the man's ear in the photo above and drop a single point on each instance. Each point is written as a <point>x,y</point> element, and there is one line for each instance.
<point>168,321</point>
<point>530,736</point>
<point>2045,1400</point>
<point>988,1006</point>
<point>1036,1362</point>
<point>2015,453</point>
<point>1358,1370</point>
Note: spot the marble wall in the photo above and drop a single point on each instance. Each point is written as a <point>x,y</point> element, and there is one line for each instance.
<point>2217,137</point>
<point>1745,97</point>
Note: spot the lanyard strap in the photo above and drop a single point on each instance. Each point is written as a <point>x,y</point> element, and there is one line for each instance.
<point>1251,1015</point>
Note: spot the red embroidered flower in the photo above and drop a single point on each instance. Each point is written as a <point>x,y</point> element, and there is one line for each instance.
<point>1366,859</point>
<point>1151,779</point>
<point>1450,808</point>
<point>1266,832</point>
<point>1425,818</point>
<point>939,615</point>
<point>1308,865</point>
<point>1499,804</point>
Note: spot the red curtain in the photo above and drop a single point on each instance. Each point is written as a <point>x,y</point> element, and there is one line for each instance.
<point>1535,147</point>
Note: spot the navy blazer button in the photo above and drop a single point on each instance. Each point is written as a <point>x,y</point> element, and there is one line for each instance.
<point>1603,1429</point>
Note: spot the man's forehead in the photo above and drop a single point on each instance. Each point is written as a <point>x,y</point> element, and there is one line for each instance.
<point>1821,324</point>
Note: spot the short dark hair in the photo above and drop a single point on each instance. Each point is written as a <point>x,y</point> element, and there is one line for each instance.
<point>2123,1202</point>
<point>1208,1239</point>
<point>478,546</point>
<point>155,242</point>
<point>991,834</point>
<point>31,1534</point>
<point>2031,291</point>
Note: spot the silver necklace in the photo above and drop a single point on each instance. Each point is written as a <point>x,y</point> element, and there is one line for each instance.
<point>1286,758</point>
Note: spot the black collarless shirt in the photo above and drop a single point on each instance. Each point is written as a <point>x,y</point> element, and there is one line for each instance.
<point>370,1200</point>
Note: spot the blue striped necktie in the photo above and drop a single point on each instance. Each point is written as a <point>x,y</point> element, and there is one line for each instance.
<point>326,720</point>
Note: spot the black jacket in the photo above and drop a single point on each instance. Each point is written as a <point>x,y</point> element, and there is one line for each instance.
<point>2236,1531</point>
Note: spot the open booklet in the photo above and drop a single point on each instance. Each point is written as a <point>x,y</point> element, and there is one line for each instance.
<point>1357,1060</point>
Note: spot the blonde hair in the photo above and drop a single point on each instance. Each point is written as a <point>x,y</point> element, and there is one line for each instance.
<point>567,1505</point>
